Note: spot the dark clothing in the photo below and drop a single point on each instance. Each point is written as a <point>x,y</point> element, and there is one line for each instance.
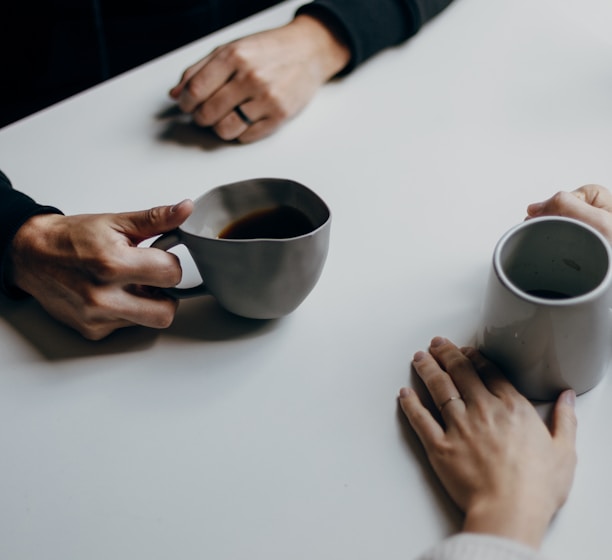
<point>15,209</point>
<point>51,49</point>
<point>370,26</point>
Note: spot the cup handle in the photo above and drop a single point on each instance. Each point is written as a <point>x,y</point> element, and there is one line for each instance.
<point>165,242</point>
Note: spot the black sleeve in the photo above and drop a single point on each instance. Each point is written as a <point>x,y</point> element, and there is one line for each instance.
<point>369,26</point>
<point>15,209</point>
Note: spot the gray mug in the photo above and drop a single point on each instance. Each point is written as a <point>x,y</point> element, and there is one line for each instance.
<point>546,317</point>
<point>261,277</point>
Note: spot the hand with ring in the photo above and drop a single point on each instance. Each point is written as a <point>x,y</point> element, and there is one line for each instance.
<point>492,452</point>
<point>246,89</point>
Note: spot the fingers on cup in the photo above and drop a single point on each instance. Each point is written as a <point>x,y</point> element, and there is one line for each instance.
<point>459,368</point>
<point>493,378</point>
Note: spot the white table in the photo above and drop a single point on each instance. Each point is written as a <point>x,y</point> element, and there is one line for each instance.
<point>227,439</point>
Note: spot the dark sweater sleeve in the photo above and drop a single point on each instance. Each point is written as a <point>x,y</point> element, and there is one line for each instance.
<point>15,209</point>
<point>369,26</point>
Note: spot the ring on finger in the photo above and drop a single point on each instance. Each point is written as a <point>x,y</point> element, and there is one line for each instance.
<point>449,400</point>
<point>242,115</point>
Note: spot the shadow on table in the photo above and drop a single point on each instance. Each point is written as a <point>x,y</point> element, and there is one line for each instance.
<point>200,319</point>
<point>180,129</point>
<point>203,319</point>
<point>440,497</point>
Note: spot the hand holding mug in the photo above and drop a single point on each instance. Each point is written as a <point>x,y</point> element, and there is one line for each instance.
<point>259,245</point>
<point>591,204</point>
<point>88,271</point>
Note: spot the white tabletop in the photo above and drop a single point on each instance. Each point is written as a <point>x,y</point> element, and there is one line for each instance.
<point>223,438</point>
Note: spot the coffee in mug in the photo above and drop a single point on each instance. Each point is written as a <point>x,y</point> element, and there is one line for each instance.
<point>546,317</point>
<point>279,222</point>
<point>259,245</point>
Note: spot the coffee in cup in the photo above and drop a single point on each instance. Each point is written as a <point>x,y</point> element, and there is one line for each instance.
<point>259,245</point>
<point>546,317</point>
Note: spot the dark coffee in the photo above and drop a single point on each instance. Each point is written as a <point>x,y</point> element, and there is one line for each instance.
<point>548,294</point>
<point>280,222</point>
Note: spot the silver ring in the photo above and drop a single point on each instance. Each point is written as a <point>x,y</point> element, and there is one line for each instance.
<point>242,116</point>
<point>450,399</point>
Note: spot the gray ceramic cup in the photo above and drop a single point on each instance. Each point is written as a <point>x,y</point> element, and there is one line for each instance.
<point>546,317</point>
<point>259,278</point>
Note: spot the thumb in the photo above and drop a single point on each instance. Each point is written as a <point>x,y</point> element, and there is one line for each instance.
<point>564,422</point>
<point>160,219</point>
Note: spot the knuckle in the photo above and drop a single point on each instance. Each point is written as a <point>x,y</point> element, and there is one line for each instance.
<point>260,130</point>
<point>282,113</point>
<point>174,274</point>
<point>441,451</point>
<point>204,115</point>
<point>236,54</point>
<point>592,189</point>
<point>105,269</point>
<point>94,332</point>
<point>277,105</point>
<point>170,270</point>
<point>185,76</point>
<point>457,361</point>
<point>224,130</point>
<point>154,215</point>
<point>192,89</point>
<point>165,317</point>
<point>94,305</point>
<point>247,138</point>
<point>89,325</point>
<point>515,408</point>
<point>256,81</point>
<point>438,383</point>
<point>560,200</point>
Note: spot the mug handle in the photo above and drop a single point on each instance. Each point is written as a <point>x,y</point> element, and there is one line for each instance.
<point>167,241</point>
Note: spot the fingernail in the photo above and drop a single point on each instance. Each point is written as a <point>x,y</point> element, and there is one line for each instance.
<point>569,397</point>
<point>438,341</point>
<point>404,392</point>
<point>418,356</point>
<point>175,208</point>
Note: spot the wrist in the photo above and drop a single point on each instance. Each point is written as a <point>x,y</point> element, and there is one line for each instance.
<point>328,45</point>
<point>525,521</point>
<point>26,244</point>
